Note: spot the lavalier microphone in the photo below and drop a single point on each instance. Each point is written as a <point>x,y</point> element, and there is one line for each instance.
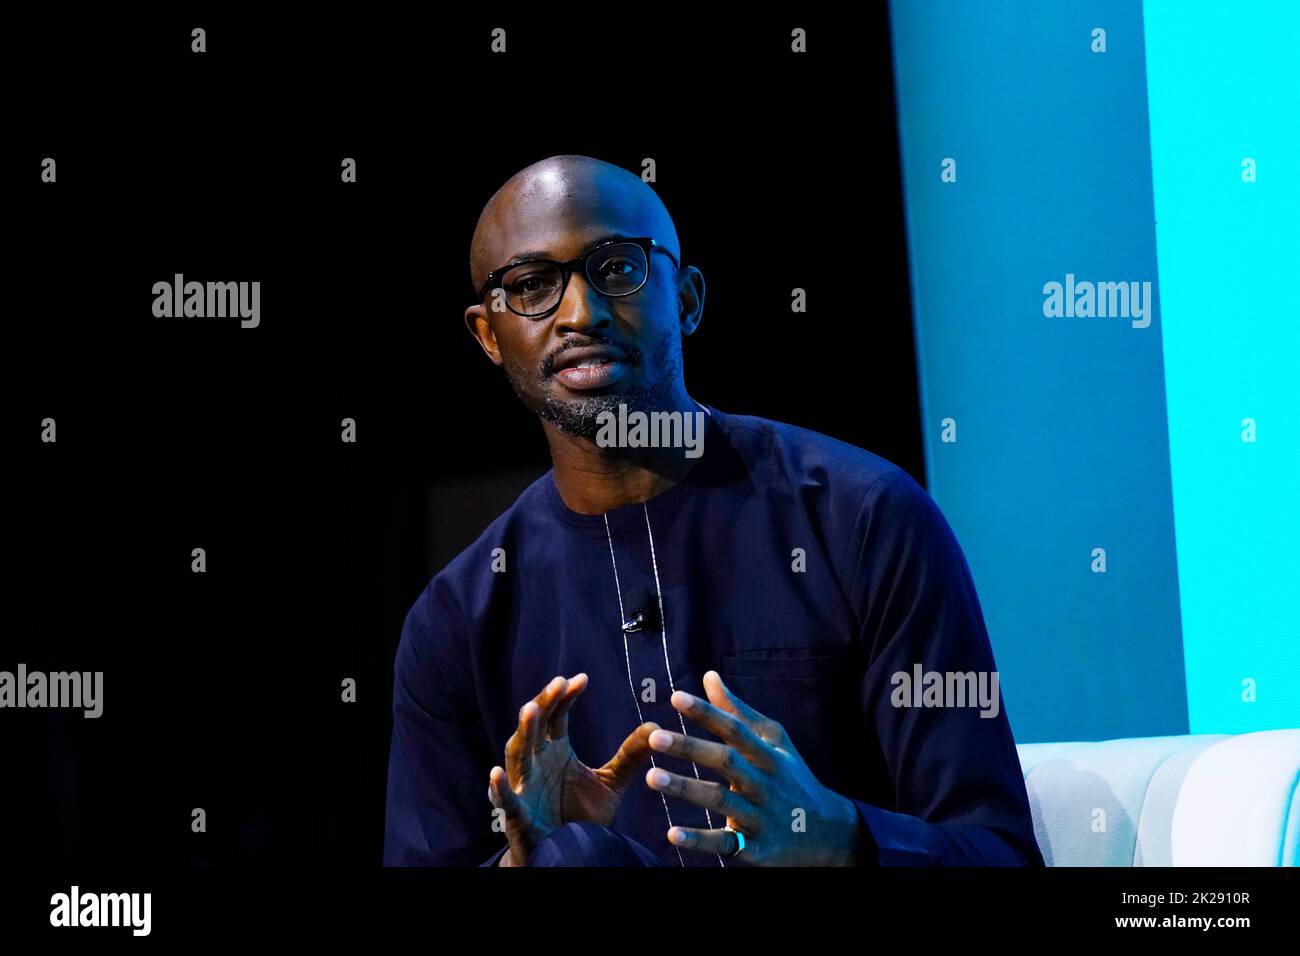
<point>643,612</point>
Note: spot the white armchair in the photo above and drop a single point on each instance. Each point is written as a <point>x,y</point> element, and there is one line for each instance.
<point>1197,800</point>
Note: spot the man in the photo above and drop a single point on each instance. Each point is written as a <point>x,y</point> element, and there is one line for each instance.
<point>739,607</point>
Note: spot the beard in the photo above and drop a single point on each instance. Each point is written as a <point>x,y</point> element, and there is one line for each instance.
<point>580,415</point>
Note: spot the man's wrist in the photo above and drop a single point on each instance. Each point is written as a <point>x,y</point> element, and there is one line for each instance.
<point>531,839</point>
<point>852,848</point>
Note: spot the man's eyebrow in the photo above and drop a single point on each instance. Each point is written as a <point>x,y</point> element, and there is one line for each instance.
<point>535,254</point>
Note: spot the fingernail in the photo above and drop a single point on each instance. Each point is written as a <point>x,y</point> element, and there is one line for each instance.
<point>661,740</point>
<point>660,778</point>
<point>676,836</point>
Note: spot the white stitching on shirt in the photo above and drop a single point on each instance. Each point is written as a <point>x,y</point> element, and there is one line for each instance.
<point>663,637</point>
<point>627,656</point>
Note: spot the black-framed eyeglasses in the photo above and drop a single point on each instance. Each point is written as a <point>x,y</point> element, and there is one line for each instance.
<point>615,268</point>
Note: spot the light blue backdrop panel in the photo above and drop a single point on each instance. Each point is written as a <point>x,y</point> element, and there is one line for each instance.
<point>1224,88</point>
<point>1061,436</point>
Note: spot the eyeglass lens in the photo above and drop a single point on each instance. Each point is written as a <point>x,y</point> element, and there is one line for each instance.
<point>532,288</point>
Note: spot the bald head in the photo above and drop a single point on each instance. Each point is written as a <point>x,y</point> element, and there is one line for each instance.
<point>558,205</point>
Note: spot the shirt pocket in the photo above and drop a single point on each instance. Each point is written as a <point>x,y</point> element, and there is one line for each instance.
<point>776,663</point>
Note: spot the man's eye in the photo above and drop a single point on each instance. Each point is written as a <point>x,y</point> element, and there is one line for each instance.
<point>612,267</point>
<point>532,282</point>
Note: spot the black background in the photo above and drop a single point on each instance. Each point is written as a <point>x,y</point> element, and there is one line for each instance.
<point>222,690</point>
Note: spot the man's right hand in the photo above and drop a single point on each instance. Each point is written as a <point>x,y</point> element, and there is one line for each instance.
<point>544,785</point>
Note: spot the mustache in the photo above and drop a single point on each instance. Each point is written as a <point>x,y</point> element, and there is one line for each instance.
<point>633,354</point>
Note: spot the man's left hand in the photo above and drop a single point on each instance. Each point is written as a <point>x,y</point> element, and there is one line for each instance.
<point>769,783</point>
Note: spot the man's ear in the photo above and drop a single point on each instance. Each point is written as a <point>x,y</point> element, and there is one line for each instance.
<point>476,321</point>
<point>690,298</point>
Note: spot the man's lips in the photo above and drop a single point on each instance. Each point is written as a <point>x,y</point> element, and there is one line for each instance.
<point>591,367</point>
<point>592,376</point>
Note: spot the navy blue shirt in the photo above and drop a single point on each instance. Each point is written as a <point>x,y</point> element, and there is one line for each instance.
<point>806,571</point>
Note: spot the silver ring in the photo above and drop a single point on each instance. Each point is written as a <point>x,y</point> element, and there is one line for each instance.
<point>740,837</point>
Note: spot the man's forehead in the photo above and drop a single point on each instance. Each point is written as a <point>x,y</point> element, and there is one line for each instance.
<point>561,230</point>
<point>559,242</point>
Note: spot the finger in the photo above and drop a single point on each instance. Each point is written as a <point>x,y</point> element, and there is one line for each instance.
<point>502,796</point>
<point>622,768</point>
<point>725,726</point>
<point>722,842</point>
<point>721,696</point>
<point>560,716</point>
<point>545,702</point>
<point>724,758</point>
<point>707,794</point>
<point>520,747</point>
<point>517,819</point>
<point>519,750</point>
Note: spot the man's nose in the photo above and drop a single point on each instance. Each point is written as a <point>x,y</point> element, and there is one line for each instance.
<point>582,308</point>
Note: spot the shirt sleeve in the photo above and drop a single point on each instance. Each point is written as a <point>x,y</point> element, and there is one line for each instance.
<point>438,812</point>
<point>958,790</point>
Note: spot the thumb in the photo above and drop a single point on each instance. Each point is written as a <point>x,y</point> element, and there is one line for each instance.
<point>632,755</point>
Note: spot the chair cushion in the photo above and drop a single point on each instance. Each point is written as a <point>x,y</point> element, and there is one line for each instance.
<point>1189,800</point>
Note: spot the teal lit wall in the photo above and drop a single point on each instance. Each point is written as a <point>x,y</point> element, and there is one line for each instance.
<point>1224,86</point>
<point>1078,433</point>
